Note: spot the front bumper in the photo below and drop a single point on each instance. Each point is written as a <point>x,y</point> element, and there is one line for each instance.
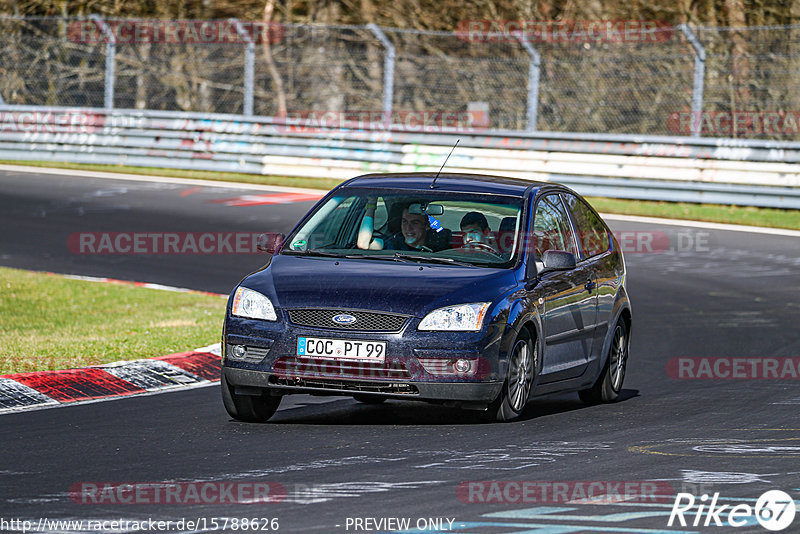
<point>471,392</point>
<point>413,368</point>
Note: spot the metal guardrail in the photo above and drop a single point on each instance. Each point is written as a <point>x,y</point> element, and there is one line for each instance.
<point>740,172</point>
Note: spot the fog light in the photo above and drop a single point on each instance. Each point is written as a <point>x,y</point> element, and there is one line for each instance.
<point>462,366</point>
<point>238,352</point>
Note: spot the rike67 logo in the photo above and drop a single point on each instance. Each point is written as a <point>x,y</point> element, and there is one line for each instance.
<point>774,510</point>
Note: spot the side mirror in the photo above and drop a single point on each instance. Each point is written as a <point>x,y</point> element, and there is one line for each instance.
<point>269,242</point>
<point>558,260</point>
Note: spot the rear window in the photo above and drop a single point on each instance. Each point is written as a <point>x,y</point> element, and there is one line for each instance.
<point>592,233</point>
<point>551,227</point>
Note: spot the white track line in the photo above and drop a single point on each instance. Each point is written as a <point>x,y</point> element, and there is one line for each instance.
<point>157,179</point>
<point>261,187</point>
<point>701,224</point>
<point>133,283</point>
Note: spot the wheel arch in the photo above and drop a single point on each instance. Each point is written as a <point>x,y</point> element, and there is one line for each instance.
<point>621,311</point>
<point>521,317</point>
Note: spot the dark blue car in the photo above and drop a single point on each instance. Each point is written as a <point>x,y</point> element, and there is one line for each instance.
<point>467,290</point>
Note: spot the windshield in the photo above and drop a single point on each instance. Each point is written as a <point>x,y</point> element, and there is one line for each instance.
<point>426,227</point>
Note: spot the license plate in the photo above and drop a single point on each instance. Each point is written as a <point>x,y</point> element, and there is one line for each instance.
<point>341,349</point>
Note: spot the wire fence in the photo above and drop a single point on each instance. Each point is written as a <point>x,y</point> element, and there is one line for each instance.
<point>732,82</point>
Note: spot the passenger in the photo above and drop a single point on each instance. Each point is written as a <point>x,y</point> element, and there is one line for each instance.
<point>476,232</point>
<point>505,235</point>
<point>365,240</point>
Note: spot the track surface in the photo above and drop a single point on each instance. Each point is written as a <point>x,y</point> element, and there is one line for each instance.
<point>735,294</point>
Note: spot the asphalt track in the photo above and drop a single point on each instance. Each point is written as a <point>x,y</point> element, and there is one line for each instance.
<point>708,293</point>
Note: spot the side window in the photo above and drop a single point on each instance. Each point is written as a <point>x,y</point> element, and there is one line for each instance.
<point>380,216</point>
<point>592,234</point>
<point>327,234</point>
<point>551,227</point>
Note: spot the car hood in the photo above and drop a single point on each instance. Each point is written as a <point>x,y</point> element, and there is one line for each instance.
<point>309,282</point>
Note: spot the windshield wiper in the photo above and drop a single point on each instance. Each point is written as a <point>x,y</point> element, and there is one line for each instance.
<point>397,256</point>
<point>406,258</point>
<point>320,253</point>
<point>378,257</point>
<point>326,254</point>
<point>432,259</point>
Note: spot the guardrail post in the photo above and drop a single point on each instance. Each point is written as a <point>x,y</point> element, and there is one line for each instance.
<point>388,71</point>
<point>699,77</point>
<point>111,50</point>
<point>249,66</point>
<point>533,81</point>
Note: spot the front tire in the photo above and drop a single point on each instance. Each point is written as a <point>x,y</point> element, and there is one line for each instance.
<point>523,368</point>
<point>248,408</point>
<point>609,383</point>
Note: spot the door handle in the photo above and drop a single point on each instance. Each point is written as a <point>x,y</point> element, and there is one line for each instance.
<point>589,286</point>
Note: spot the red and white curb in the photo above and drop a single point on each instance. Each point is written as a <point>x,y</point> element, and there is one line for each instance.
<point>44,389</point>
<point>148,285</point>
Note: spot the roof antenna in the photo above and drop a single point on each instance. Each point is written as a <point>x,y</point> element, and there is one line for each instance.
<point>433,183</point>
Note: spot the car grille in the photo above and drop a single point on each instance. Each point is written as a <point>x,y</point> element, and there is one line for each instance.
<point>355,386</point>
<point>327,368</point>
<point>366,321</point>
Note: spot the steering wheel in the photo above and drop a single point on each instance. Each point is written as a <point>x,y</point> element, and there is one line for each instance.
<point>483,247</point>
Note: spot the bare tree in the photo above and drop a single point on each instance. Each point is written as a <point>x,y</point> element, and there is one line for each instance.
<point>740,61</point>
<point>280,92</point>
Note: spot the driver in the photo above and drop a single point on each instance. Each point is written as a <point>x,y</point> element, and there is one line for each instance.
<point>476,231</point>
<point>414,228</point>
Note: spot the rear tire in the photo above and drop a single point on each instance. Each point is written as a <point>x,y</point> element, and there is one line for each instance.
<point>523,369</point>
<point>369,399</point>
<point>609,383</point>
<point>248,408</point>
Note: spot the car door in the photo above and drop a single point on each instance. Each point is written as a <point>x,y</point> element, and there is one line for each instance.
<point>594,245</point>
<point>566,299</point>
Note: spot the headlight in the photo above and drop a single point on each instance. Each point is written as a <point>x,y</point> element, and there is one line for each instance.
<point>252,304</point>
<point>464,317</point>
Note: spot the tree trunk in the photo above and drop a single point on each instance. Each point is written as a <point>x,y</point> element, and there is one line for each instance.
<point>280,93</point>
<point>740,60</point>
<point>141,79</point>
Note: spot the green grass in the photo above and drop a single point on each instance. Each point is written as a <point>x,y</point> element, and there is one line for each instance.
<point>775,218</point>
<point>51,322</point>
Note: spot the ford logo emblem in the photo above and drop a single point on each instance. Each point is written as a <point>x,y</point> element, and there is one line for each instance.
<point>344,318</point>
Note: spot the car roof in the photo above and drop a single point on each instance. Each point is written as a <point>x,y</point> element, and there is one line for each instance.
<point>455,182</point>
